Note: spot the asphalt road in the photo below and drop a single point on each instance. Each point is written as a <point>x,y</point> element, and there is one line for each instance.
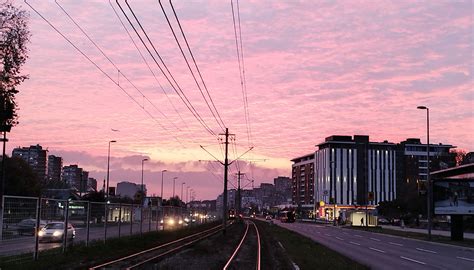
<point>379,251</point>
<point>26,244</point>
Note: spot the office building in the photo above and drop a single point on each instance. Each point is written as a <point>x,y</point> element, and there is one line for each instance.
<point>303,180</point>
<point>55,165</point>
<point>75,177</point>
<point>35,156</point>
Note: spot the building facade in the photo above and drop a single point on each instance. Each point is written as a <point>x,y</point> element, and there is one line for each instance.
<point>35,156</point>
<point>348,169</point>
<point>302,185</point>
<point>128,189</point>
<point>75,177</point>
<point>55,165</point>
<point>91,184</point>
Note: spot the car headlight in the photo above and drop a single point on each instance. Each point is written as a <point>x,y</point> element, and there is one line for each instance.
<point>180,222</point>
<point>171,221</point>
<point>57,233</point>
<point>161,221</point>
<point>41,233</point>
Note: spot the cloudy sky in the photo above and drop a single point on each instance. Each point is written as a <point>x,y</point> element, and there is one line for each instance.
<point>312,69</point>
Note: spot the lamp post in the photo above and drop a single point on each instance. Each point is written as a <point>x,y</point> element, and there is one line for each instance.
<point>162,211</point>
<point>174,184</point>
<point>182,185</point>
<point>428,183</point>
<point>187,194</point>
<point>108,170</point>
<point>142,200</point>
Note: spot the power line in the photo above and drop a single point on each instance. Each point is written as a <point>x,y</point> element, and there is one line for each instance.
<point>113,64</point>
<point>146,63</point>
<point>241,70</point>
<point>187,63</point>
<point>182,95</point>
<point>99,68</point>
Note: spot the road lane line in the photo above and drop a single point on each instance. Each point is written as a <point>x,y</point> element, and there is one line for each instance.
<point>378,250</point>
<point>396,244</point>
<point>354,243</point>
<point>375,239</point>
<point>327,234</point>
<point>412,260</point>
<point>426,250</point>
<point>340,238</point>
<point>467,259</point>
<point>356,235</point>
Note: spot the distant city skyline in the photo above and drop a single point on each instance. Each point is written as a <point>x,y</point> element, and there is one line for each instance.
<point>312,70</point>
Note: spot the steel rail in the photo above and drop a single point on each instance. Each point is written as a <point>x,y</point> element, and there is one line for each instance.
<point>152,249</point>
<point>237,249</point>
<point>173,250</point>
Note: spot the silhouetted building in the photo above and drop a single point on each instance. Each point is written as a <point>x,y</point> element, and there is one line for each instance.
<point>55,165</point>
<point>35,156</point>
<point>91,184</point>
<point>282,189</point>
<point>128,189</point>
<point>303,180</point>
<point>75,177</point>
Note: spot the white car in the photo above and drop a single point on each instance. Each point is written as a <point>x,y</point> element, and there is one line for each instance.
<point>54,231</point>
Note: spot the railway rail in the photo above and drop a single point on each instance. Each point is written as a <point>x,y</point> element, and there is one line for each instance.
<point>139,259</point>
<point>237,260</point>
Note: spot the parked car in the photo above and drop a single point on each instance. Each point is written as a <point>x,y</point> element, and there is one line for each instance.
<point>54,231</point>
<point>383,221</point>
<point>28,226</point>
<point>268,217</point>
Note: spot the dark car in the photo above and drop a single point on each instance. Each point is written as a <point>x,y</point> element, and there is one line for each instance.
<point>27,226</point>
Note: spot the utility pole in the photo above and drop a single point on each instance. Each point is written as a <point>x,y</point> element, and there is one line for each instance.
<point>239,198</point>
<point>226,165</point>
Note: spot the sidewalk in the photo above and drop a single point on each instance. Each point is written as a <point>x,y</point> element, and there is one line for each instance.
<point>425,231</point>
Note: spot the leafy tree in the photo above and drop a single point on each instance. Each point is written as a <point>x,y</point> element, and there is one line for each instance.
<point>21,180</point>
<point>14,36</point>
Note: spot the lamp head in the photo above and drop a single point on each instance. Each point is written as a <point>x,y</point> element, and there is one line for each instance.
<point>422,107</point>
<point>112,141</point>
<point>145,159</point>
<point>164,170</point>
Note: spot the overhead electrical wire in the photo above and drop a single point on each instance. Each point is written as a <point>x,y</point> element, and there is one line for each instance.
<point>180,92</point>
<point>189,67</point>
<point>148,65</point>
<point>100,69</point>
<point>113,64</point>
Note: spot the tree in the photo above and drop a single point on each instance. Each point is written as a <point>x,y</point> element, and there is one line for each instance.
<point>21,179</point>
<point>14,37</point>
<point>459,156</point>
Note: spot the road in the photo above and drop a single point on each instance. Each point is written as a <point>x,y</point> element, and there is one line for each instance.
<point>26,244</point>
<point>379,251</point>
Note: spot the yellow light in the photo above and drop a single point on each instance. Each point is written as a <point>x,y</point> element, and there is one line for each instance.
<point>171,221</point>
<point>321,203</point>
<point>40,233</point>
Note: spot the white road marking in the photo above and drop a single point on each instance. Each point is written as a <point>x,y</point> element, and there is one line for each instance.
<point>279,243</point>
<point>412,260</point>
<point>426,250</point>
<point>339,238</point>
<point>318,232</point>
<point>327,234</point>
<point>378,250</point>
<point>396,244</point>
<point>467,259</point>
<point>375,239</point>
<point>354,243</point>
<point>356,235</point>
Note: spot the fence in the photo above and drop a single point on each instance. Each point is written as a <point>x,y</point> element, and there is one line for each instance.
<point>86,222</point>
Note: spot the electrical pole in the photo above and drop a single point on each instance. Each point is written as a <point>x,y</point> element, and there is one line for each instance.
<point>226,165</point>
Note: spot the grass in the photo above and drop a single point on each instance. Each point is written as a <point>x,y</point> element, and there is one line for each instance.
<point>419,236</point>
<point>82,257</point>
<point>306,253</point>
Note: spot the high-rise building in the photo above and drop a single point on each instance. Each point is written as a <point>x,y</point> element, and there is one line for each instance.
<point>348,169</point>
<point>35,156</point>
<point>55,165</point>
<point>282,189</point>
<point>303,180</point>
<point>91,184</point>
<point>75,177</point>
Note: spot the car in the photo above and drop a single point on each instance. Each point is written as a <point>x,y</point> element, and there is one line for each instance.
<point>268,217</point>
<point>28,226</point>
<point>54,232</point>
<point>383,221</point>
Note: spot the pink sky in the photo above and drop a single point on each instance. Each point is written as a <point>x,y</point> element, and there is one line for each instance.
<point>313,69</point>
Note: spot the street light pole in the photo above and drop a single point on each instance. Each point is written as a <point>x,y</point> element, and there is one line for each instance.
<point>428,183</point>
<point>142,200</point>
<point>162,172</point>
<point>174,184</point>
<point>143,192</point>
<point>187,194</point>
<point>182,185</point>
<point>108,170</point>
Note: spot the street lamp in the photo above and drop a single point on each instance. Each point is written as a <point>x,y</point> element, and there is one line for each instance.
<point>143,192</point>
<point>162,172</point>
<point>428,184</point>
<point>187,194</point>
<point>182,185</point>
<point>174,184</point>
<point>108,169</point>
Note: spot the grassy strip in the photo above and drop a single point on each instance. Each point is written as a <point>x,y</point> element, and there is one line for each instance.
<point>419,236</point>
<point>82,257</point>
<point>306,253</point>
